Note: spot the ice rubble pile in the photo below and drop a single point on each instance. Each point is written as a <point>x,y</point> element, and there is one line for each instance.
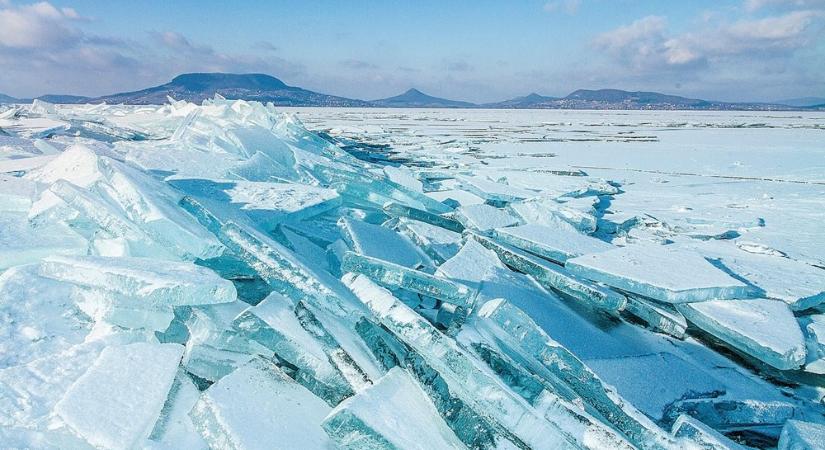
<point>216,276</point>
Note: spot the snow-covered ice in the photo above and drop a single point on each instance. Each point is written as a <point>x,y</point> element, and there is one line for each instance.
<point>233,275</point>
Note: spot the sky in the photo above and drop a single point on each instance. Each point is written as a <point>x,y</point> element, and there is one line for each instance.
<point>480,51</point>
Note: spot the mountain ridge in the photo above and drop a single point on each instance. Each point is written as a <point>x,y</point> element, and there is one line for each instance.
<point>196,87</point>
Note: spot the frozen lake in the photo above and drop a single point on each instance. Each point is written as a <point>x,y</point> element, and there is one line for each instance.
<point>687,168</point>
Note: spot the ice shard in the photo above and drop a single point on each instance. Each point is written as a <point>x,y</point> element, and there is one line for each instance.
<point>398,210</point>
<point>174,427</point>
<point>20,243</point>
<point>557,278</point>
<point>155,282</point>
<point>663,273</point>
<point>798,435</point>
<point>259,407</point>
<point>558,244</point>
<point>764,329</point>
<point>657,317</point>
<point>393,275</point>
<point>521,334</point>
<point>484,217</point>
<point>548,212</point>
<point>116,403</point>
<point>438,243</point>
<point>702,435</point>
<point>382,243</point>
<point>392,414</point>
<point>274,324</point>
<point>552,424</point>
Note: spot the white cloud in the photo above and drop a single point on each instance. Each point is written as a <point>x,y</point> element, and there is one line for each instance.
<point>566,6</point>
<point>754,5</point>
<point>37,25</point>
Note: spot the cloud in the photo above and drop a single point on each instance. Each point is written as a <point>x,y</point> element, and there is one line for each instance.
<point>755,5</point>
<point>646,44</point>
<point>357,64</point>
<point>265,45</point>
<point>458,66</point>
<point>38,25</point>
<point>565,6</point>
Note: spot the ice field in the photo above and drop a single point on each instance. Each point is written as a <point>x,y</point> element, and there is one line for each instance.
<point>235,275</point>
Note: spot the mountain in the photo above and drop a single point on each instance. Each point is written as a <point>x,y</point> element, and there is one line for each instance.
<point>417,99</point>
<point>803,102</point>
<point>7,99</point>
<point>618,99</point>
<point>527,102</point>
<point>64,99</point>
<point>196,87</point>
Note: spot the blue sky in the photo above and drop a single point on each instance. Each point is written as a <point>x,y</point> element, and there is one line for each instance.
<point>470,50</point>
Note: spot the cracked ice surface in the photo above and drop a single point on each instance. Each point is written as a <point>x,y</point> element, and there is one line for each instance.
<point>219,276</point>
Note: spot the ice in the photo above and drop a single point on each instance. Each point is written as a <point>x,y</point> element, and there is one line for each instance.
<point>525,336</point>
<point>20,243</point>
<point>393,275</point>
<point>663,273</point>
<point>548,212</point>
<point>393,413</point>
<point>116,403</point>
<point>484,217</point>
<point>274,324</point>
<point>224,230</point>
<point>258,407</point>
<point>382,243</point>
<point>23,438</point>
<point>706,437</point>
<point>267,204</point>
<point>764,329</point>
<point>398,210</point>
<point>154,282</point>
<point>552,424</point>
<point>557,278</point>
<point>37,317</point>
<point>798,284</point>
<point>798,435</point>
<point>558,243</point>
<point>438,243</point>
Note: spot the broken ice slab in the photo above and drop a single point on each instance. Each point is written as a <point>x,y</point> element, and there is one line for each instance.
<point>484,217</point>
<point>259,407</point>
<point>274,324</point>
<point>156,282</point>
<point>37,317</point>
<point>438,243</point>
<point>471,265</point>
<point>116,189</point>
<point>393,275</point>
<point>764,329</point>
<point>764,417</point>
<point>398,210</point>
<point>116,403</point>
<point>557,243</point>
<point>798,435</point>
<point>395,413</point>
<point>214,348</point>
<point>16,194</point>
<point>456,197</point>
<point>702,435</point>
<point>174,427</point>
<point>494,192</point>
<point>658,318</point>
<point>403,176</point>
<point>800,285</point>
<point>553,423</point>
<point>520,334</point>
<point>548,212</point>
<point>661,272</point>
<point>105,307</point>
<point>629,377</point>
<point>815,342</point>
<point>382,243</point>
<point>267,204</point>
<point>20,243</point>
<point>557,278</point>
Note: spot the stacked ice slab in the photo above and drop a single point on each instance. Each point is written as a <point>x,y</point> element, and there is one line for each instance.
<point>216,276</point>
